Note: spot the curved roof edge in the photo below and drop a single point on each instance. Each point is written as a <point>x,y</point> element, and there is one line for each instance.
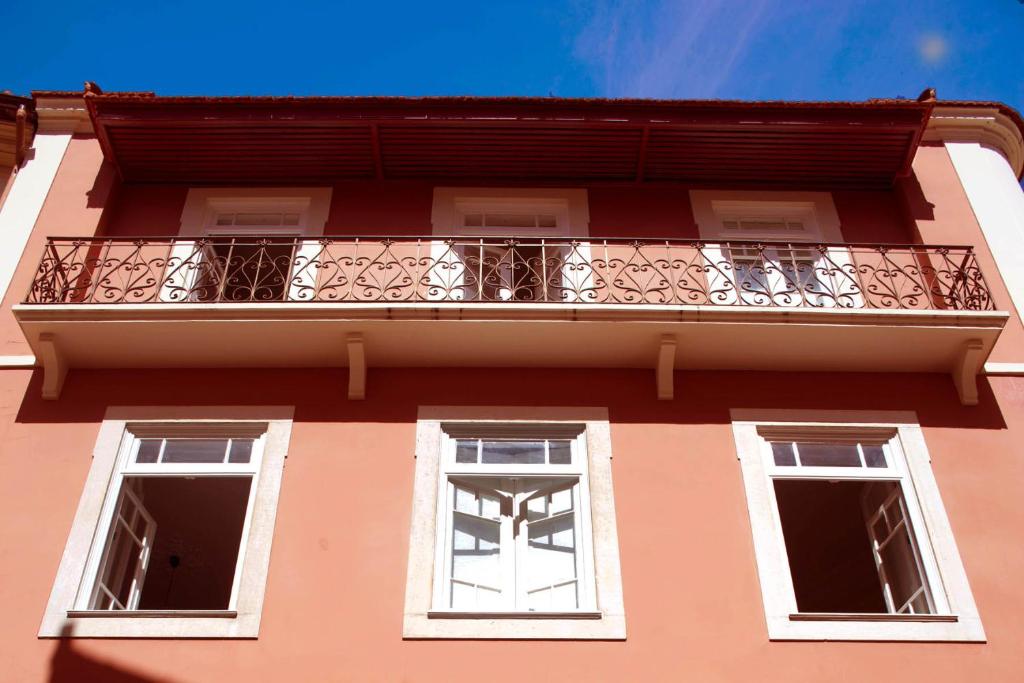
<point>992,124</point>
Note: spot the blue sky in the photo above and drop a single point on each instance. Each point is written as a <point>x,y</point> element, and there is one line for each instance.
<point>752,49</point>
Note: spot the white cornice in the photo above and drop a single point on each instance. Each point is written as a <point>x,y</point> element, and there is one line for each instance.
<point>985,125</point>
<point>63,115</point>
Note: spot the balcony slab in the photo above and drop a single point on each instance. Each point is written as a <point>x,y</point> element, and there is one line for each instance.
<point>282,335</point>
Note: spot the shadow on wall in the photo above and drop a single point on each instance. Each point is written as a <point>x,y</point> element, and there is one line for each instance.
<point>69,665</point>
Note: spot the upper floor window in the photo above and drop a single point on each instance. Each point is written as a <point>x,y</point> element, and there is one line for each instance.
<point>756,252</point>
<point>252,247</point>
<point>510,212</point>
<point>248,210</point>
<point>507,244</point>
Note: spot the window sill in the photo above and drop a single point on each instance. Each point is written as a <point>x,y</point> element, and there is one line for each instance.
<point>452,614</point>
<point>870,616</point>
<point>154,614</point>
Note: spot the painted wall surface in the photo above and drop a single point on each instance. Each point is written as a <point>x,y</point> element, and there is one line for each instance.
<point>74,207</point>
<point>941,213</point>
<point>334,599</point>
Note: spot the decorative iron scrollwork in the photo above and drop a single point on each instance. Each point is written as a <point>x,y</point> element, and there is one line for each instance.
<point>506,269</point>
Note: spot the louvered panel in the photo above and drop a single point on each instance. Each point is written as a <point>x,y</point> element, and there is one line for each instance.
<point>530,151</point>
<point>265,153</point>
<point>292,140</point>
<point>855,158</point>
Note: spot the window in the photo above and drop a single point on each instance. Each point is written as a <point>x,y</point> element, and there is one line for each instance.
<point>252,246</point>
<point>507,245</point>
<point>773,250</point>
<point>175,523</point>
<point>175,532</point>
<point>514,536</point>
<point>513,529</point>
<point>850,536</point>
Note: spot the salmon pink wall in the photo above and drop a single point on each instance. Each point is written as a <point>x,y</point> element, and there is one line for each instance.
<point>81,190</point>
<point>334,598</point>
<point>876,217</point>
<point>146,211</point>
<point>641,212</point>
<point>935,201</point>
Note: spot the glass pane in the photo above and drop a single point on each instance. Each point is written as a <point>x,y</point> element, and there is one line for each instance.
<point>469,597</point>
<point>900,567</point>
<point>262,219</point>
<point>510,220</point>
<point>195,450</point>
<point>241,450</point>
<point>149,450</point>
<point>880,529</point>
<point>473,220</point>
<point>480,504</point>
<point>122,558</point>
<point>547,221</point>
<point>828,455</point>
<point>561,501</point>
<point>783,454</point>
<point>466,450</point>
<point>476,557</point>
<point>513,453</point>
<point>291,219</point>
<point>555,598</point>
<point>919,605</point>
<point>541,507</point>
<point>551,553</point>
<point>874,456</point>
<point>560,452</point>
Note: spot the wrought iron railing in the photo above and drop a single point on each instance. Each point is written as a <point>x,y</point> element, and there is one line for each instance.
<point>245,269</point>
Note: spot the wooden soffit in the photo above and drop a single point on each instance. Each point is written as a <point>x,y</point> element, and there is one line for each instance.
<point>222,140</point>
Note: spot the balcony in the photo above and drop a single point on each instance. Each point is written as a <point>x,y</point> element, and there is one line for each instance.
<point>504,301</point>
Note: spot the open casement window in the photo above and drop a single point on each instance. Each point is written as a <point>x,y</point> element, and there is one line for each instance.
<point>123,571</point>
<point>507,249</point>
<point>773,255</point>
<point>175,520</point>
<point>514,527</point>
<point>847,515</point>
<point>850,534</point>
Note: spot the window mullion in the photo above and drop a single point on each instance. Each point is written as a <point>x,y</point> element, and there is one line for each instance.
<point>508,550</point>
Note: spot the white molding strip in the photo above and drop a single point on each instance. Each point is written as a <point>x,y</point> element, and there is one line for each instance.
<point>28,361</point>
<point>25,200</point>
<point>1011,369</point>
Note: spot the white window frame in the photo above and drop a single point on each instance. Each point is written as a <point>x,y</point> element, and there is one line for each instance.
<point>956,616</point>
<point>451,204</point>
<point>601,614</point>
<point>68,610</point>
<point>815,210</point>
<point>576,470</point>
<point>199,219</point>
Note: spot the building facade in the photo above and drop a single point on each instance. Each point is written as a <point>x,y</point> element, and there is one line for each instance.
<point>448,388</point>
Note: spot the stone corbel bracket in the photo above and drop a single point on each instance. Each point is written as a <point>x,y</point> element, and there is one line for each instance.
<point>55,366</point>
<point>969,364</point>
<point>666,367</point>
<point>356,367</point>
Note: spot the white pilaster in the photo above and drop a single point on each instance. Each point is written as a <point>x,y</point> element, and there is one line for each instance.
<point>25,200</point>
